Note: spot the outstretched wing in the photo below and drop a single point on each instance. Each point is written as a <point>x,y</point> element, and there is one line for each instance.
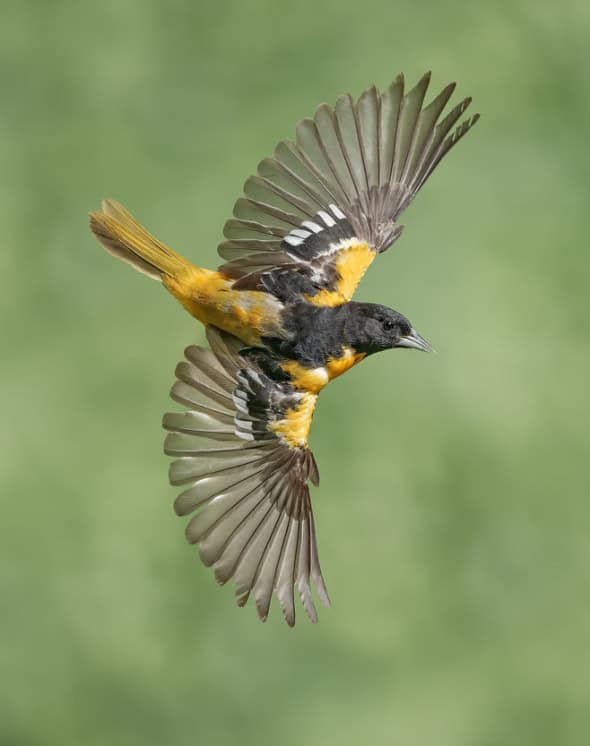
<point>319,211</point>
<point>243,461</point>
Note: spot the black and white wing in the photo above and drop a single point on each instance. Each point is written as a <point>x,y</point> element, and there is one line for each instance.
<point>322,207</point>
<point>242,459</point>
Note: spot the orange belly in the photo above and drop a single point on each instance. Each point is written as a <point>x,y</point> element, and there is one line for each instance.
<point>294,427</point>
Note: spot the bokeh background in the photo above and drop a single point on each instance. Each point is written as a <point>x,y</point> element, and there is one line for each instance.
<point>453,516</point>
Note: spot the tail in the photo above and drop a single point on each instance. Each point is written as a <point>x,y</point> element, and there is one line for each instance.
<point>123,237</point>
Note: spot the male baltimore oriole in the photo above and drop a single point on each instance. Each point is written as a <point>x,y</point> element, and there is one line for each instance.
<point>281,324</point>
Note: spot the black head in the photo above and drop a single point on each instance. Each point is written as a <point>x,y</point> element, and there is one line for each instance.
<point>380,328</point>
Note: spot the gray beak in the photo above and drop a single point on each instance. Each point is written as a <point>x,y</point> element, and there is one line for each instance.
<point>414,341</point>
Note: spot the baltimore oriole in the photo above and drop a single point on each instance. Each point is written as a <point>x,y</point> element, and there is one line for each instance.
<point>281,324</point>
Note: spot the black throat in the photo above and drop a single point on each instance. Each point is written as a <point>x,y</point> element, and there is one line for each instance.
<point>315,334</point>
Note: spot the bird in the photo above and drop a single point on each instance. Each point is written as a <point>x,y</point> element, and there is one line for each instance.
<point>281,324</point>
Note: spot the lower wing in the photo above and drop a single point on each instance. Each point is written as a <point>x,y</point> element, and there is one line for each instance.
<point>241,459</point>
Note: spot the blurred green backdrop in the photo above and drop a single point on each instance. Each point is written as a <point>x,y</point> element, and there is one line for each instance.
<point>453,515</point>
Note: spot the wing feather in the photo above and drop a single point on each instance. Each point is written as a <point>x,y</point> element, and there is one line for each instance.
<point>359,164</point>
<point>368,135</point>
<point>245,483</point>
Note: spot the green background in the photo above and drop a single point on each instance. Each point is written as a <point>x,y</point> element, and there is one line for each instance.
<point>453,515</point>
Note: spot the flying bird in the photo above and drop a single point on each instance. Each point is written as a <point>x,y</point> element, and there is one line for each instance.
<point>281,325</point>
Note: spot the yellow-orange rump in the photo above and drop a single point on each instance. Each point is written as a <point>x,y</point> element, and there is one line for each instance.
<point>208,296</point>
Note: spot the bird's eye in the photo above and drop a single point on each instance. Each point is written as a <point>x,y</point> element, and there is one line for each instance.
<point>388,325</point>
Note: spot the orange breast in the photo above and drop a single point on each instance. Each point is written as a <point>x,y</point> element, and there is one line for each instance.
<point>337,366</point>
<point>294,427</point>
<point>313,380</point>
<point>306,379</point>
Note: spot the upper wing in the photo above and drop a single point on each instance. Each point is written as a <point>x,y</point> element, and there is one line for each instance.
<point>242,458</point>
<point>319,211</point>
